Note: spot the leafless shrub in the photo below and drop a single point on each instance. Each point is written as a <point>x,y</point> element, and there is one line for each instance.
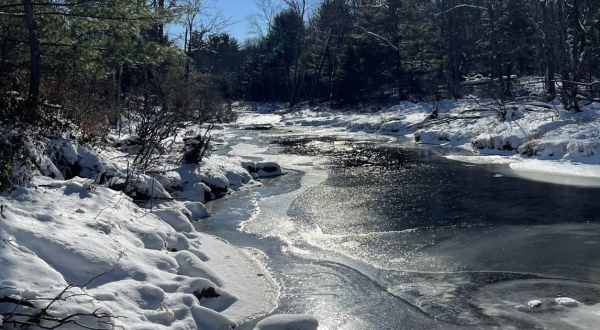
<point>167,103</point>
<point>38,312</point>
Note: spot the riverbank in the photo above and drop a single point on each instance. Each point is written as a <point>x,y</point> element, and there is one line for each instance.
<point>531,136</point>
<point>119,248</point>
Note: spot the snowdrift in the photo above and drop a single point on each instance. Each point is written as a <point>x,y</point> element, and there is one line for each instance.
<point>150,269</point>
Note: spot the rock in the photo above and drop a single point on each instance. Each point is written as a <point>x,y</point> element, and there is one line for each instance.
<point>206,293</point>
<point>534,303</point>
<point>258,127</point>
<point>176,219</point>
<point>187,213</point>
<point>250,166</point>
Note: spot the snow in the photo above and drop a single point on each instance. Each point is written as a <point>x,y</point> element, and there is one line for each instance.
<point>531,136</point>
<point>138,257</point>
<point>557,167</point>
<point>145,262</point>
<point>147,185</point>
<point>266,169</point>
<point>149,264</point>
<point>395,120</point>
<point>197,211</point>
<point>176,219</point>
<point>288,322</point>
<point>567,302</point>
<point>482,159</point>
<point>249,118</point>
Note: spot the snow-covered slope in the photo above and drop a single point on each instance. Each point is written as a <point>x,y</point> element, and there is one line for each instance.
<point>147,268</point>
<point>115,246</point>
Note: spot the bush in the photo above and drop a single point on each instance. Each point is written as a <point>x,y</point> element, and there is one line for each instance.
<point>167,102</point>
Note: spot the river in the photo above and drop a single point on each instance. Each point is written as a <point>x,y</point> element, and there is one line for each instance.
<point>372,232</point>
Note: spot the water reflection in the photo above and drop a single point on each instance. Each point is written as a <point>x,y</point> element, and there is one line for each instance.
<point>400,238</point>
<point>443,232</point>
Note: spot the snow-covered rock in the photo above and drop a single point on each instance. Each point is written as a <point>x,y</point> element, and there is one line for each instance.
<point>288,322</point>
<point>266,169</point>
<point>534,303</point>
<point>92,164</point>
<point>143,187</point>
<point>249,165</point>
<point>567,302</point>
<point>197,211</point>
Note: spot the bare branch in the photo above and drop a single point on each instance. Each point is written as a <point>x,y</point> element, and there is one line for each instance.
<point>376,36</point>
<point>461,6</point>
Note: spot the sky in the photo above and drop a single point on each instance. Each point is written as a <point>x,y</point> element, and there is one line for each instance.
<point>237,10</point>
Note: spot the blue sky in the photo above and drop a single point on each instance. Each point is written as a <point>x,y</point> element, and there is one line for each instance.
<point>236,9</point>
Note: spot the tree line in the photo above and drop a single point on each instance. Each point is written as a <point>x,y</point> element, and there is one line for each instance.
<point>98,56</point>
<point>349,51</point>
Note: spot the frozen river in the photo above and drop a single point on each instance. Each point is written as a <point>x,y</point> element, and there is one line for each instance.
<point>366,232</point>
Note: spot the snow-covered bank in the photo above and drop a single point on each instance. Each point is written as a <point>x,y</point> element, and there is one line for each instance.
<point>91,242</point>
<point>150,268</point>
<point>535,136</point>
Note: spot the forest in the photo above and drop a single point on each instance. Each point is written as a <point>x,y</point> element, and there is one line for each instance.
<point>91,63</point>
<point>371,50</point>
<point>88,54</point>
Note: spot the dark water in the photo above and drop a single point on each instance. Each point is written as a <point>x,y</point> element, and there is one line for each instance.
<point>392,188</point>
<point>398,237</point>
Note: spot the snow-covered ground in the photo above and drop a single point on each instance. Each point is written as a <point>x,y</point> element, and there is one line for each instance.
<point>532,136</point>
<point>146,268</point>
<point>77,250</point>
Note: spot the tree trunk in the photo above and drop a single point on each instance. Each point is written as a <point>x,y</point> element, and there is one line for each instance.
<point>186,49</point>
<point>456,76</point>
<point>34,48</point>
<point>161,27</point>
<point>394,21</point>
<point>319,69</point>
<point>550,84</point>
<point>117,95</point>
<point>399,73</point>
<point>549,55</point>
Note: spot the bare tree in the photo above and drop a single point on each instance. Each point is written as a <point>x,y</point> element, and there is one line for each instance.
<point>563,28</point>
<point>329,26</point>
<point>201,17</point>
<point>260,22</point>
